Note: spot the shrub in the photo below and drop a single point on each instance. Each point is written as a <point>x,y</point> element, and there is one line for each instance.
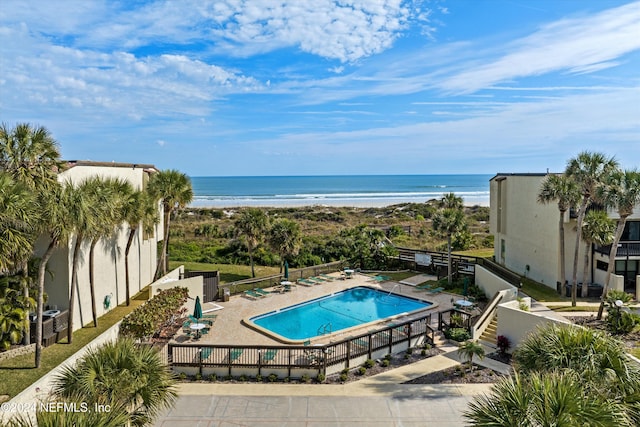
<point>259,378</point>
<point>503,344</point>
<point>320,378</point>
<point>272,378</point>
<point>243,378</point>
<point>145,320</point>
<point>343,377</point>
<point>197,377</point>
<point>409,350</point>
<point>386,363</point>
<point>213,378</point>
<point>369,363</point>
<point>305,379</point>
<point>362,370</point>
<point>423,352</point>
<point>457,334</point>
<point>182,376</point>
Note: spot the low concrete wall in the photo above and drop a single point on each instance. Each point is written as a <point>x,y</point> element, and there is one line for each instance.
<point>39,391</point>
<point>172,279</point>
<point>516,324</point>
<point>492,284</point>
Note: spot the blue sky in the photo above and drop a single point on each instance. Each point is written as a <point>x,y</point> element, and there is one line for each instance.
<point>263,87</point>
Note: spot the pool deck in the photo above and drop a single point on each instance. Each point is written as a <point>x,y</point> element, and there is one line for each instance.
<point>229,330</point>
<point>378,401</point>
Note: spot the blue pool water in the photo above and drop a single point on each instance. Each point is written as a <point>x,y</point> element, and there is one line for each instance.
<point>332,313</point>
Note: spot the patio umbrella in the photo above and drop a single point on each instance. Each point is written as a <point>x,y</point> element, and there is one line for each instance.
<point>465,289</point>
<point>197,311</point>
<point>286,270</point>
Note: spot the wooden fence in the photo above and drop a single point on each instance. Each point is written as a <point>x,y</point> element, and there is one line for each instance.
<point>295,361</point>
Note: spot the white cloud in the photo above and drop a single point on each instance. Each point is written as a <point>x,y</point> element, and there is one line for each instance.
<point>577,45</point>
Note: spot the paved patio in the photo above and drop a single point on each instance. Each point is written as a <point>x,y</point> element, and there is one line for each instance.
<point>228,328</point>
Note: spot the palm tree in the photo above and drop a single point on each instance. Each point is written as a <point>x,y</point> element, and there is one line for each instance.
<point>285,238</point>
<point>588,170</point>
<point>121,373</point>
<point>565,191</point>
<point>622,192</point>
<point>600,361</point>
<point>57,227</point>
<point>251,225</point>
<point>16,213</point>
<point>449,221</point>
<point>30,156</point>
<point>469,349</point>
<point>451,201</point>
<point>175,191</point>
<point>138,210</point>
<point>106,197</point>
<point>77,201</point>
<point>598,229</point>
<point>555,399</point>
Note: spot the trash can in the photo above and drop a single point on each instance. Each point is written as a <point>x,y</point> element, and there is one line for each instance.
<point>226,294</point>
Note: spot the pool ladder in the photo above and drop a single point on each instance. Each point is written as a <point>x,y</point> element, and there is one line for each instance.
<point>324,329</point>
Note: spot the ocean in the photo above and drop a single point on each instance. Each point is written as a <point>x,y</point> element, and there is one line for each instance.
<point>334,190</point>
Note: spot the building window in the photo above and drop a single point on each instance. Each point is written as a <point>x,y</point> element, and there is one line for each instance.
<point>631,232</point>
<point>601,265</point>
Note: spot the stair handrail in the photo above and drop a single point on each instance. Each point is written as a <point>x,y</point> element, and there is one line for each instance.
<point>487,315</point>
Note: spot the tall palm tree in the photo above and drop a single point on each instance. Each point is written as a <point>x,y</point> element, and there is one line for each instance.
<point>175,191</point>
<point>597,229</point>
<point>106,197</point>
<point>57,227</point>
<point>622,192</point>
<point>285,238</point>
<point>451,201</point>
<point>252,225</point>
<point>565,191</point>
<point>121,373</point>
<point>448,221</point>
<point>78,202</point>
<point>588,170</point>
<point>139,210</point>
<point>30,156</point>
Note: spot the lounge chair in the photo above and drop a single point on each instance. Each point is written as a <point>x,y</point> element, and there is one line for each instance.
<point>327,277</point>
<point>425,285</point>
<point>235,354</point>
<point>261,292</point>
<point>435,290</point>
<point>269,355</point>
<point>306,282</point>
<point>205,352</point>
<point>253,295</point>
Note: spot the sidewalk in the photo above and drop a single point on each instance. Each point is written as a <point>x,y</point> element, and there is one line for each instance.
<point>379,400</point>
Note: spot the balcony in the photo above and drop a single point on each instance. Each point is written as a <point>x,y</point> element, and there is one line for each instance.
<point>625,249</point>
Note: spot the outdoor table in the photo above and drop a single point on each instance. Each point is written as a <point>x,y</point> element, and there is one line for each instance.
<point>463,303</point>
<point>348,272</point>
<point>285,283</point>
<point>197,327</point>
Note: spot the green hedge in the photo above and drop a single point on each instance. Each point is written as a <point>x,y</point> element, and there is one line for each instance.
<point>149,318</point>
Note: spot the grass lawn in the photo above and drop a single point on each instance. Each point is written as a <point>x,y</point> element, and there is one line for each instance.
<point>19,372</point>
<point>228,272</point>
<point>480,253</point>
<point>541,292</point>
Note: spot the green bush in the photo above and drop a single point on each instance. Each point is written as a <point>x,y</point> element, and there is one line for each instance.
<point>197,377</point>
<point>272,378</point>
<point>305,379</point>
<point>213,378</point>
<point>369,363</point>
<point>386,363</point>
<point>457,334</point>
<point>182,376</point>
<point>343,377</point>
<point>320,378</point>
<point>149,318</point>
<point>362,370</point>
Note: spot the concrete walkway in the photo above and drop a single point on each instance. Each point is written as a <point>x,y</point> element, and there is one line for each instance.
<point>379,400</point>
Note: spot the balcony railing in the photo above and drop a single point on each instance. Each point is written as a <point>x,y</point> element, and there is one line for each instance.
<point>625,249</point>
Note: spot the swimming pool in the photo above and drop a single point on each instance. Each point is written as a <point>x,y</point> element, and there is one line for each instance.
<point>339,311</point>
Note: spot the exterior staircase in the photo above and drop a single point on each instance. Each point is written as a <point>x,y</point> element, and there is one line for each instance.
<point>489,335</point>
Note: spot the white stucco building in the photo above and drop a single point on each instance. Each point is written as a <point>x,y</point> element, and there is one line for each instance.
<point>109,267</point>
<point>527,237</point>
